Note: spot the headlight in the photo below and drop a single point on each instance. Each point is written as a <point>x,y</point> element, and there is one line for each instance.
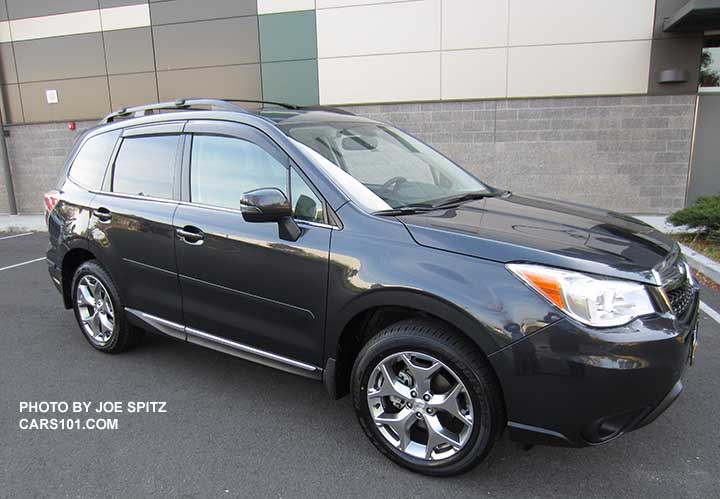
<point>594,301</point>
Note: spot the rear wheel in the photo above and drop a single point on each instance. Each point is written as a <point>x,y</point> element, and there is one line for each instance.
<point>99,311</point>
<point>427,398</point>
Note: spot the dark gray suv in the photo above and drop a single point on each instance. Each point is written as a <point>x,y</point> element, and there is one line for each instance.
<point>345,250</point>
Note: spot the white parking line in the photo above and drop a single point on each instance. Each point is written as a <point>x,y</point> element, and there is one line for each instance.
<point>21,264</point>
<point>17,235</point>
<point>709,311</point>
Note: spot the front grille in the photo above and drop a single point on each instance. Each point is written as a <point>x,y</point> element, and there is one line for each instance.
<point>673,276</point>
<point>680,298</point>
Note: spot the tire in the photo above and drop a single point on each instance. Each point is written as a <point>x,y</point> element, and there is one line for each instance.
<point>122,335</point>
<point>478,415</point>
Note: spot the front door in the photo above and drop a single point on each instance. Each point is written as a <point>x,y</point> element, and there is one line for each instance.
<point>240,281</point>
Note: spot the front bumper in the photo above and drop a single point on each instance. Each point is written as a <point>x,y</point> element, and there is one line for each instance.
<point>572,385</point>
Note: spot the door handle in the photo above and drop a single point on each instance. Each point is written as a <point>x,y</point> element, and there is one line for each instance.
<point>191,235</point>
<point>103,214</point>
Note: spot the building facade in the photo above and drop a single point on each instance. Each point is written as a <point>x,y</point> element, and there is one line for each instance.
<point>589,100</point>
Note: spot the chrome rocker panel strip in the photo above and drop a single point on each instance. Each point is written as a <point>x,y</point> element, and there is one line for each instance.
<point>226,346</point>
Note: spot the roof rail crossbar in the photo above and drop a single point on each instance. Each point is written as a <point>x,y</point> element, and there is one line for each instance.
<point>213,104</point>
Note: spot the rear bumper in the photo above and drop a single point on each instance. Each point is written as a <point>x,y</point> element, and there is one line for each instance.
<point>575,386</point>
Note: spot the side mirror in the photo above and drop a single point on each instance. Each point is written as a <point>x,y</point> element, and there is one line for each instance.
<point>270,205</point>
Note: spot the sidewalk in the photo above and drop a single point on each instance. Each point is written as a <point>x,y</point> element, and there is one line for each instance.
<point>22,223</point>
<point>710,268</point>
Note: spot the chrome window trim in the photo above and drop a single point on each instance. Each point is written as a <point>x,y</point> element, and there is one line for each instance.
<point>134,196</point>
<point>239,212</point>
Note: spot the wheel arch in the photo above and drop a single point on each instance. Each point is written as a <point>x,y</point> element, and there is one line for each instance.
<point>72,259</point>
<point>372,312</point>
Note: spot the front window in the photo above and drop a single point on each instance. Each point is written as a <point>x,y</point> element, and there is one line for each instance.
<point>397,168</point>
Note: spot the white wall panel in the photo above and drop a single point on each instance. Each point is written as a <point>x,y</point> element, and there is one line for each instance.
<point>539,22</point>
<point>584,69</point>
<point>130,16</point>
<point>328,4</point>
<point>474,23</point>
<point>57,25</point>
<point>470,74</point>
<point>5,31</point>
<point>380,78</point>
<point>379,29</point>
<point>273,6</point>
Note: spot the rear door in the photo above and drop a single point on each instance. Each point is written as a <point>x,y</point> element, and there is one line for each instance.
<point>131,223</point>
<point>240,281</point>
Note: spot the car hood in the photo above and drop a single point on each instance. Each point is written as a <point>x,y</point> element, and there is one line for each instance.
<point>512,228</point>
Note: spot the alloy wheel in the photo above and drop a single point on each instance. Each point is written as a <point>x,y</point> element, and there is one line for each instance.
<point>420,406</point>
<point>96,309</point>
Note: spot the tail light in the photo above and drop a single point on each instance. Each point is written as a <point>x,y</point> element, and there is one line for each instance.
<point>50,199</point>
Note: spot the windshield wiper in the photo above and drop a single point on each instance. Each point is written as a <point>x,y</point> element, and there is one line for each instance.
<point>403,210</point>
<point>461,198</point>
<point>450,201</point>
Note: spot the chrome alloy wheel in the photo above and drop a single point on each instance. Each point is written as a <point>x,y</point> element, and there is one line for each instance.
<point>420,406</point>
<point>96,309</point>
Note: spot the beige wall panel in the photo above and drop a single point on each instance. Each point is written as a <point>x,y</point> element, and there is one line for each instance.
<point>474,74</point>
<point>379,29</point>
<point>11,106</point>
<point>8,73</point>
<point>58,58</point>
<point>129,51</point>
<point>82,98</point>
<point>584,69</point>
<point>381,78</point>
<point>133,90</point>
<point>540,22</point>
<point>468,24</point>
<point>207,43</point>
<point>239,82</point>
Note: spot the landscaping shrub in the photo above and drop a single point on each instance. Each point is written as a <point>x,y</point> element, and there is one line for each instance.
<point>703,215</point>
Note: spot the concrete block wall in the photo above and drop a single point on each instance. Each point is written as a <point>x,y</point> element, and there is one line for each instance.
<point>37,154</point>
<point>629,154</point>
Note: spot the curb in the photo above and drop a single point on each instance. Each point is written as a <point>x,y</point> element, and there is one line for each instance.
<point>22,223</point>
<point>706,266</point>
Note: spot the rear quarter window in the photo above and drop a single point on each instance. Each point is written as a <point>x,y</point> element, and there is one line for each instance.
<point>88,167</point>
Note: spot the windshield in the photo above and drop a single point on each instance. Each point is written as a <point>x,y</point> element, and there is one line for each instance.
<point>399,169</point>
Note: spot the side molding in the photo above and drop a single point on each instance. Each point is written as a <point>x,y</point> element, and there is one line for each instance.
<point>207,340</point>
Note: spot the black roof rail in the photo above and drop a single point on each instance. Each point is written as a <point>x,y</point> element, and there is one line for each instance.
<point>329,109</point>
<point>281,104</point>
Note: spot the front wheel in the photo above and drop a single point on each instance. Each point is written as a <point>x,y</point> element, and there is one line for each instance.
<point>427,398</point>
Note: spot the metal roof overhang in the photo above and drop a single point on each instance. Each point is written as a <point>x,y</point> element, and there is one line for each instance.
<point>696,16</point>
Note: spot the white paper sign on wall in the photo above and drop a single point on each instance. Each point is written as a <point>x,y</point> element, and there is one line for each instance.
<point>51,96</point>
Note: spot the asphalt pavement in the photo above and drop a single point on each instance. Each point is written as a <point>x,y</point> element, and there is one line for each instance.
<point>237,429</point>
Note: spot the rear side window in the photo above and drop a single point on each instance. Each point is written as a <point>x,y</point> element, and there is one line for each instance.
<point>145,166</point>
<point>88,167</point>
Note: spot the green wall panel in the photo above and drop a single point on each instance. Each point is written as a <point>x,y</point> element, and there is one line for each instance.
<point>289,36</point>
<point>294,82</point>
